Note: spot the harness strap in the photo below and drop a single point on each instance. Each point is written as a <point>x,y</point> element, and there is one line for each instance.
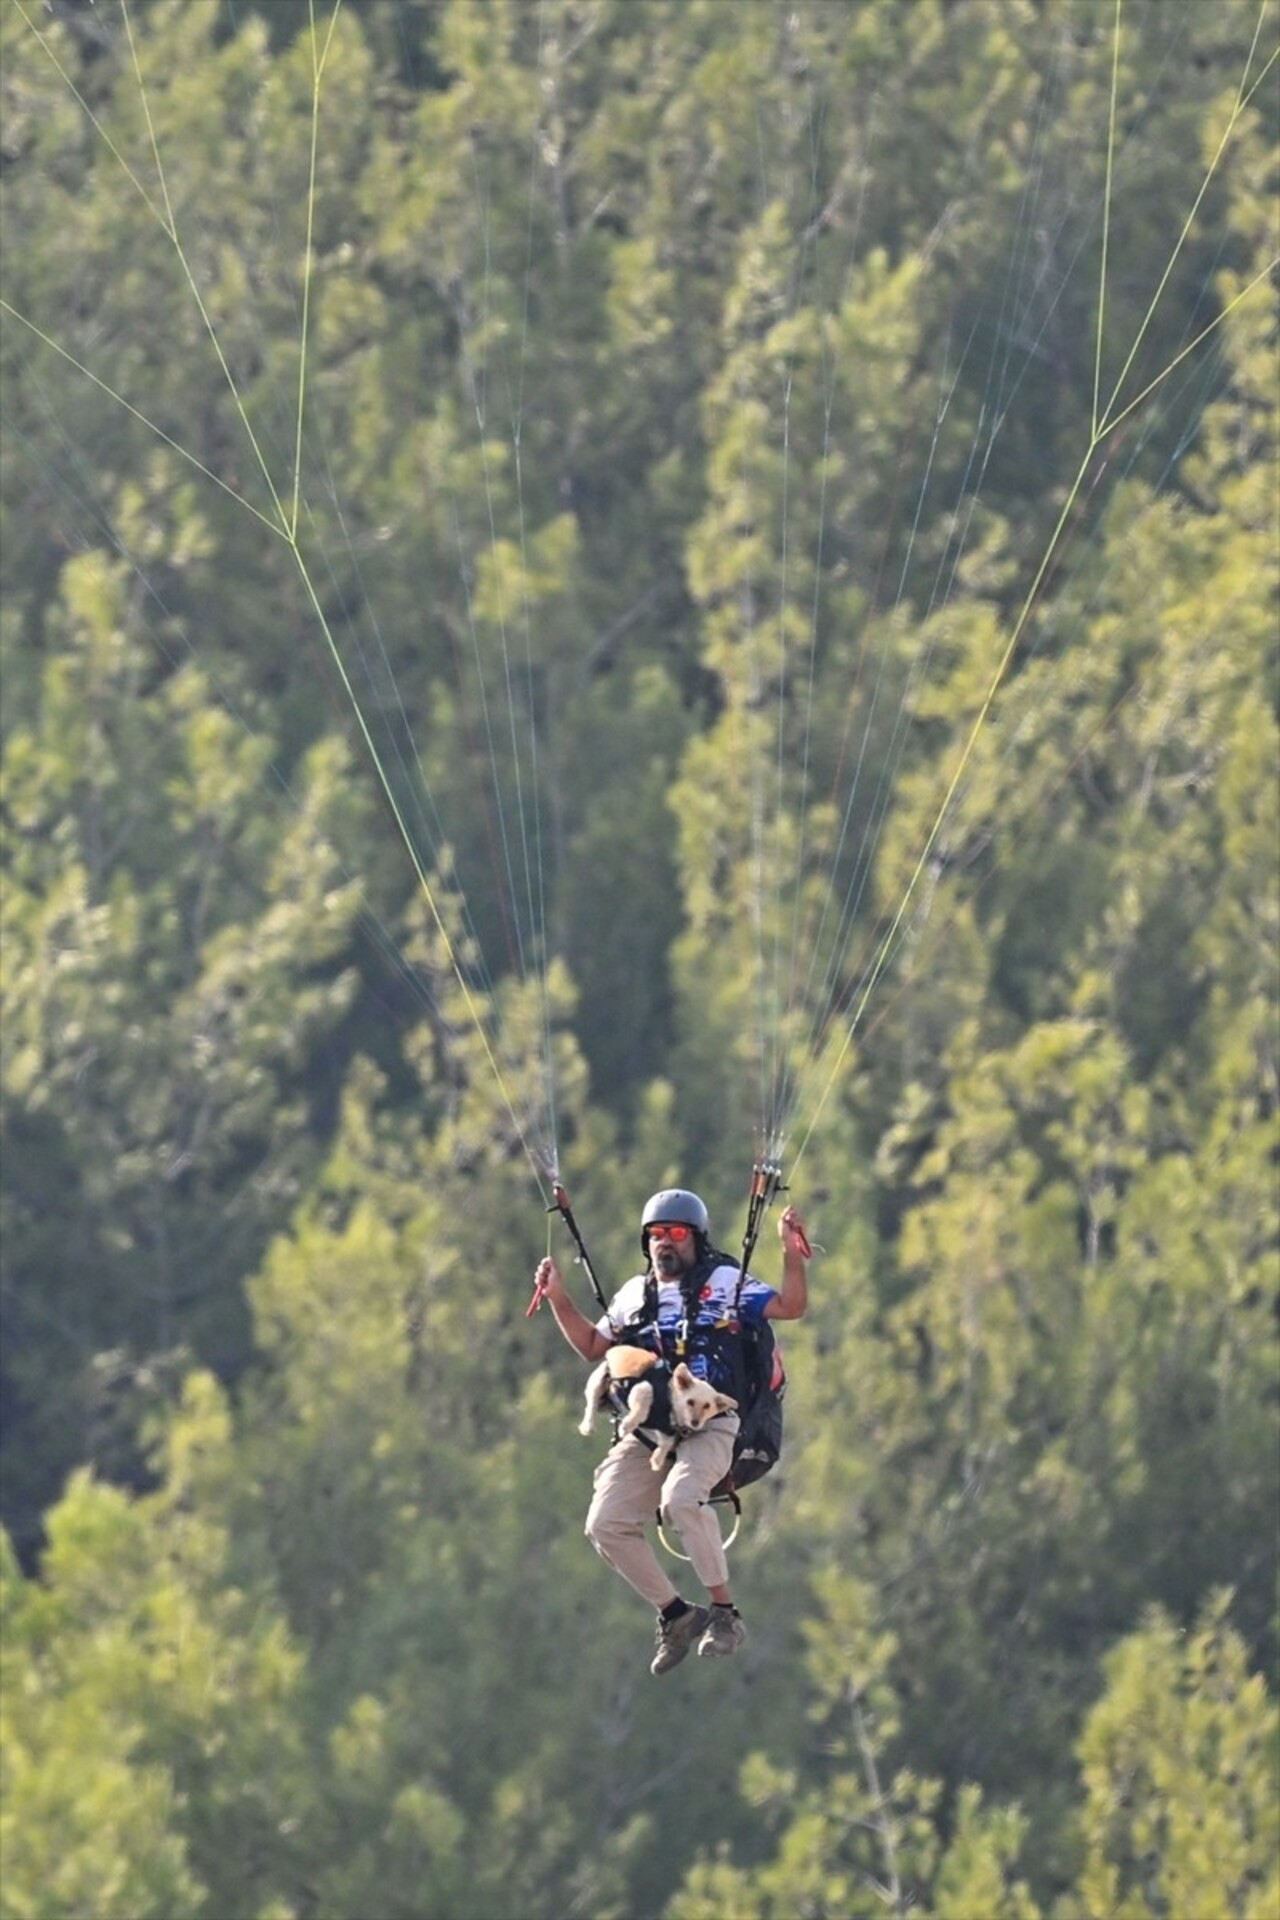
<point>766,1183</point>
<point>560,1205</point>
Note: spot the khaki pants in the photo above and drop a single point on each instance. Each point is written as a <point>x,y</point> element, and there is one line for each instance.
<point>628,1493</point>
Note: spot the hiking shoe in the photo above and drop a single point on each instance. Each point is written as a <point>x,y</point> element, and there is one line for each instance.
<point>726,1632</point>
<point>675,1637</point>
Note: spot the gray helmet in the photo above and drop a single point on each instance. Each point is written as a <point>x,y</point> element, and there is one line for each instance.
<point>676,1204</point>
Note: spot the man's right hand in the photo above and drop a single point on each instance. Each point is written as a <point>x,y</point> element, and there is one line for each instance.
<point>547,1285</point>
<point>583,1336</point>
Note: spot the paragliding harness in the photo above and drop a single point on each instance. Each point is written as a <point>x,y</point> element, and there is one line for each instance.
<point>759,1442</point>
<point>755,1358</point>
<point>751,1357</point>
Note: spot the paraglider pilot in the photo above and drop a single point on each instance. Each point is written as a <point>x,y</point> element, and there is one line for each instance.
<point>691,1303</point>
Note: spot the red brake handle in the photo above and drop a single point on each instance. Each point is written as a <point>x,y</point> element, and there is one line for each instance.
<point>539,1295</point>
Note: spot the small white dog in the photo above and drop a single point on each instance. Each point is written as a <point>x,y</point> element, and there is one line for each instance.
<point>670,1406</point>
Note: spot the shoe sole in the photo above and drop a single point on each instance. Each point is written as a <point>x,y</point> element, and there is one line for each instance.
<point>721,1653</point>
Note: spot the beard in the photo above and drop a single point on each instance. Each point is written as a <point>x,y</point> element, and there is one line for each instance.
<point>668,1263</point>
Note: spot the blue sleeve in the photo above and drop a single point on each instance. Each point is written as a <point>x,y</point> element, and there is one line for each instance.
<point>753,1300</point>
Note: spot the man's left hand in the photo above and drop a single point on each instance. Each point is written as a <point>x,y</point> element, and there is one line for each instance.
<point>791,1232</point>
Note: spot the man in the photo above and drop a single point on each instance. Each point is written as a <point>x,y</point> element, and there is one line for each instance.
<point>690,1304</point>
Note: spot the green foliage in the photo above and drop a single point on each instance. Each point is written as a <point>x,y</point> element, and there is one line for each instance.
<point>815,633</point>
<point>1179,1766</point>
<point>174,958</point>
<point>152,1740</point>
<point>860,1842</point>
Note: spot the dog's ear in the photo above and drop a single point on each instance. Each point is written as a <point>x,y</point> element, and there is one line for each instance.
<point>681,1376</point>
<point>725,1403</point>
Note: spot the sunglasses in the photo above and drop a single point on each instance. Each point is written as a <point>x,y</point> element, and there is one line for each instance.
<point>675,1233</point>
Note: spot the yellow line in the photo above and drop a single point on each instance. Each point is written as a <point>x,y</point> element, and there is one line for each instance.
<point>1106,214</point>
<point>285,525</point>
<point>886,944</point>
<point>1101,429</point>
<point>317,72</point>
<point>1109,418</point>
<point>1259,279</point>
<point>179,249</point>
<point>90,115</point>
<point>112,394</point>
<point>393,803</point>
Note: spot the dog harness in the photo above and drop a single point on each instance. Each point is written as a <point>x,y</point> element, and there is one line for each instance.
<point>659,1414</point>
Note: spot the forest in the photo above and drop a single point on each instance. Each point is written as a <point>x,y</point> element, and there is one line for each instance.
<point>613,592</point>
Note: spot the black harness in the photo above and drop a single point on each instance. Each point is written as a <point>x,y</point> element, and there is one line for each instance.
<point>659,1414</point>
<point>725,1343</point>
<point>642,1329</point>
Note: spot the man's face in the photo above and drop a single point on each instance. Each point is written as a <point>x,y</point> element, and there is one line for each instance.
<point>672,1248</point>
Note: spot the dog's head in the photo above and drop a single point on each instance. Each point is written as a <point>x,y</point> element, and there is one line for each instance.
<point>693,1402</point>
